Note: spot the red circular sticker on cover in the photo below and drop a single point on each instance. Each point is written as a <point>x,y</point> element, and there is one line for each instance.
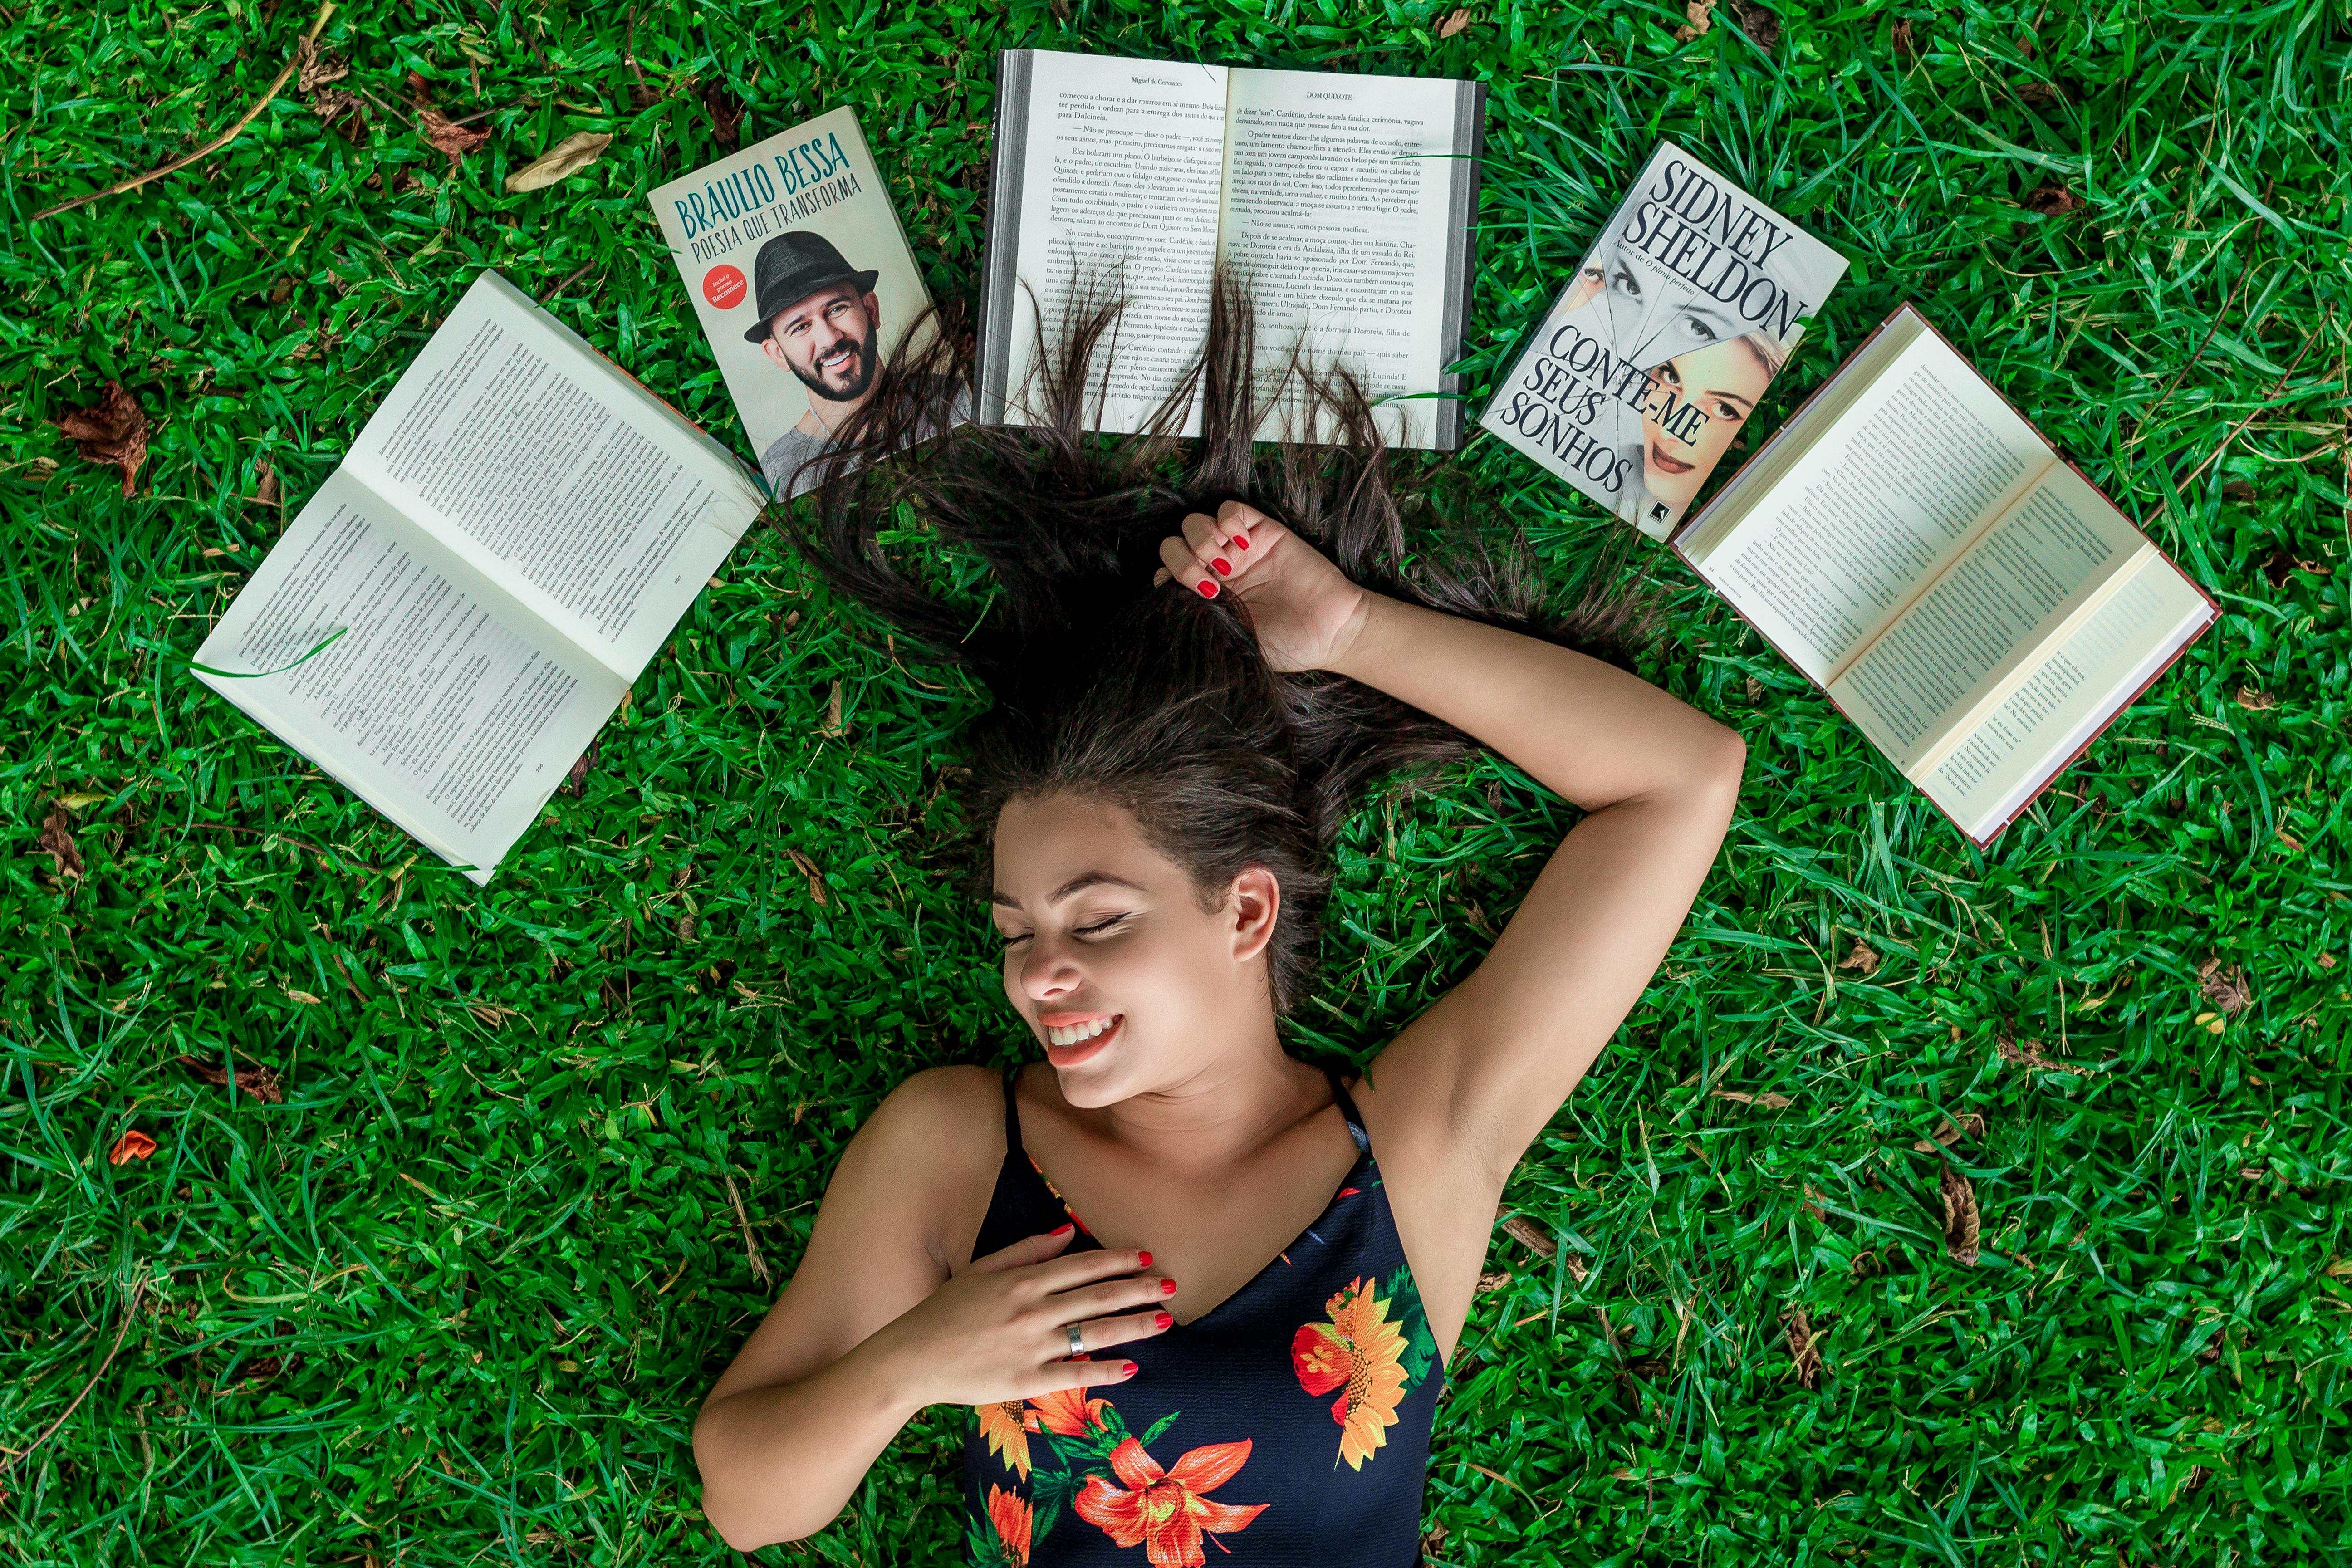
<point>723,287</point>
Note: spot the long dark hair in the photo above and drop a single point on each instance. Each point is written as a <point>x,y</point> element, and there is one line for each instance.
<point>1156,699</point>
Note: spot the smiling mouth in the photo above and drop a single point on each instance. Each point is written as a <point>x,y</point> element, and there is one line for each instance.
<point>1670,465</point>
<point>1085,1029</point>
<point>840,359</point>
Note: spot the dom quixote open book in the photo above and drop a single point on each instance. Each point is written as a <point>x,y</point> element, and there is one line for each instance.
<point>1344,201</point>
<point>1956,588</point>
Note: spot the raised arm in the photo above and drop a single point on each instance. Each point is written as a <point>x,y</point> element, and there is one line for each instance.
<point>1473,1080</point>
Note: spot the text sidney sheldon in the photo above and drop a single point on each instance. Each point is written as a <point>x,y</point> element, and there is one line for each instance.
<point>1657,353</point>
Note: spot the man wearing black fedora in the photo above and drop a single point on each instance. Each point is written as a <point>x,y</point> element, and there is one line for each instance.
<point>818,319</point>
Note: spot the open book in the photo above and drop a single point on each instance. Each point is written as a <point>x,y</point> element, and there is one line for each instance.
<point>1344,201</point>
<point>1956,588</point>
<point>509,540</point>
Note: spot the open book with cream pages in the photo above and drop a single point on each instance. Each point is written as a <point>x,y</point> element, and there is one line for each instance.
<point>1956,587</point>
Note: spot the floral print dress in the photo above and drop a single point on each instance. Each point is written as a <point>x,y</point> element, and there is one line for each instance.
<point>1289,1426</point>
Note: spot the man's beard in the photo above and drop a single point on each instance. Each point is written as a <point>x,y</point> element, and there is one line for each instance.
<point>867,363</point>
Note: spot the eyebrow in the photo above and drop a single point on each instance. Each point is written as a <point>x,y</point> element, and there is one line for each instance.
<point>1077,884</point>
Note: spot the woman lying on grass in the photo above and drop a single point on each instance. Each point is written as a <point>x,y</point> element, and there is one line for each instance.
<point>1163,1266</point>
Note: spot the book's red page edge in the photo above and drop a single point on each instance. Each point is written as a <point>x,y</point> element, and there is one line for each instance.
<point>2212,605</point>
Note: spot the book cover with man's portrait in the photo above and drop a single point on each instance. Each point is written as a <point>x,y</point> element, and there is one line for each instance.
<point>800,273</point>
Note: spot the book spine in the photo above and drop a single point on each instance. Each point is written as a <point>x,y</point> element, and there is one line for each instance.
<point>999,266</point>
<point>1461,251</point>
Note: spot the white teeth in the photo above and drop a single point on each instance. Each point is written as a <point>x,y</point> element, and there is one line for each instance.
<point>1074,1032</point>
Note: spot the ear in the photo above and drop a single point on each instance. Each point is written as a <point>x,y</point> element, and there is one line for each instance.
<point>768,346</point>
<point>1255,901</point>
<point>874,310</point>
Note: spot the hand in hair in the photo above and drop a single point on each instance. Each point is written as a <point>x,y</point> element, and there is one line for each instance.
<point>1304,610</point>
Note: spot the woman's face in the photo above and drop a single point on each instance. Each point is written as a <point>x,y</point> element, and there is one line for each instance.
<point>1128,983</point>
<point>1724,382</point>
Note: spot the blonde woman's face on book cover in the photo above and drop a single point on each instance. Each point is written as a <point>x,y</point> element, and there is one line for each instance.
<point>1125,979</point>
<point>1724,382</point>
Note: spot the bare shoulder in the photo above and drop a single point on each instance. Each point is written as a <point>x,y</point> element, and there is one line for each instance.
<point>936,1141</point>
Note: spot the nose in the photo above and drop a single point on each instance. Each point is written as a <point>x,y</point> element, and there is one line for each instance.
<point>1048,971</point>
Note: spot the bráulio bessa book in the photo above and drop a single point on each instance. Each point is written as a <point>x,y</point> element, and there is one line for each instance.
<point>798,270</point>
<point>1654,357</point>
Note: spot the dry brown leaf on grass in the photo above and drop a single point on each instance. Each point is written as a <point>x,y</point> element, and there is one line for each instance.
<point>1453,24</point>
<point>2050,199</point>
<point>453,141</point>
<point>2040,92</point>
<point>808,869</point>
<point>2029,1055</point>
<point>726,113</point>
<point>339,112</point>
<point>1901,38</point>
<point>576,779</point>
<point>1701,14</point>
<point>57,840</point>
<point>1758,24</point>
<point>1970,1125</point>
<point>265,488</point>
<point>112,430</point>
<point>313,70</point>
<point>833,712</point>
<point>1490,1283</point>
<point>1801,1348</point>
<point>1813,1205</point>
<point>559,163</point>
<point>1860,959</point>
<point>1959,1215</point>
<point>1768,1100</point>
<point>1526,1232</point>
<point>2255,702</point>
<point>2225,988</point>
<point>262,1083</point>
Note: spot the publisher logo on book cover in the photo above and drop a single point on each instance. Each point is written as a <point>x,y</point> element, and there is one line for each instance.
<point>723,287</point>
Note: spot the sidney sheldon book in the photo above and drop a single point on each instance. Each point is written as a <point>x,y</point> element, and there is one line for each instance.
<point>1656,353</point>
<point>799,271</point>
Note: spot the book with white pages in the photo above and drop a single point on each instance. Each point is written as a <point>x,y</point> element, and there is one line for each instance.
<point>1955,587</point>
<point>456,612</point>
<point>1345,201</point>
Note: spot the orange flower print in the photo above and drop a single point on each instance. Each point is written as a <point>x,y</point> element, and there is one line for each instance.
<point>1358,1353</point>
<point>1163,1510</point>
<point>1007,1427</point>
<point>1067,1411</point>
<point>1011,1516</point>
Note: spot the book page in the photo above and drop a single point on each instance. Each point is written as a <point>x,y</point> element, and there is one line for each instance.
<point>2072,691</point>
<point>1339,214</point>
<point>1110,188</point>
<point>1887,499</point>
<point>1958,647</point>
<point>444,704</point>
<point>542,464</point>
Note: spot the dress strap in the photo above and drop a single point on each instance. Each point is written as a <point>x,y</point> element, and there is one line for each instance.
<point>1011,1116</point>
<point>1347,1109</point>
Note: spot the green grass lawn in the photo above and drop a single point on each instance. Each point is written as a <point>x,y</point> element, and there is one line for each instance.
<point>545,1149</point>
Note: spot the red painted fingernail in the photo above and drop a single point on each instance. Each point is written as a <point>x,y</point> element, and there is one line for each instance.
<point>1162,1319</point>
<point>1127,1368</point>
<point>1239,542</point>
<point>1208,589</point>
<point>1143,1260</point>
<point>1168,1286</point>
<point>1062,1231</point>
<point>1223,570</point>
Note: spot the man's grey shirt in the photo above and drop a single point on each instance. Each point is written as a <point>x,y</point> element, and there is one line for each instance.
<point>782,463</point>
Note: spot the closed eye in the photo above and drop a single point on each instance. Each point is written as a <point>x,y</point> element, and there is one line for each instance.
<point>1101,926</point>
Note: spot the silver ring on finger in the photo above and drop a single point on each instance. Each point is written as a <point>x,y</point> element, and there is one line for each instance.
<point>1078,1345</point>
